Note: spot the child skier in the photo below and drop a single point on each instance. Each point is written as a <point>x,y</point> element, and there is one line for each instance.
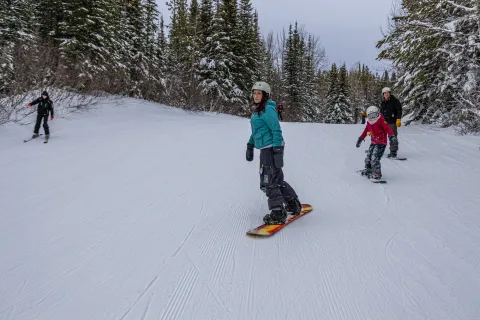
<point>267,137</point>
<point>45,105</point>
<point>379,130</point>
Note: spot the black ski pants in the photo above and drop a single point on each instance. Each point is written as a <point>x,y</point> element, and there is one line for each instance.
<point>45,124</point>
<point>278,191</point>
<point>393,126</point>
<point>374,155</point>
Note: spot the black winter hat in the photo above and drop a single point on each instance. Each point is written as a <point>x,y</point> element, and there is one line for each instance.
<point>45,93</point>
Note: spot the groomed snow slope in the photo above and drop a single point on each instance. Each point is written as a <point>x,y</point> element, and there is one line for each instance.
<point>138,211</point>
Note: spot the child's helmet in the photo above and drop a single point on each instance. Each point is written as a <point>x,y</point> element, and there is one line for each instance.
<point>373,113</point>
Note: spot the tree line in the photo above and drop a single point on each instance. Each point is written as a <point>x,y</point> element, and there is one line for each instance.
<point>206,59</point>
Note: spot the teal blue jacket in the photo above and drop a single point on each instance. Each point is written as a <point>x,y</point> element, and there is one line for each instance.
<point>266,129</point>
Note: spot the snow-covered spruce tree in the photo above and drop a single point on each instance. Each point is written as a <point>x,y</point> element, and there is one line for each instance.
<point>205,32</point>
<point>292,72</point>
<point>150,85</point>
<point>47,20</point>
<point>343,102</point>
<point>299,69</point>
<point>178,59</point>
<point>16,38</point>
<point>414,43</point>
<point>194,47</point>
<point>311,102</point>
<point>217,63</point>
<point>232,42</point>
<point>261,61</point>
<point>247,47</point>
<point>338,105</point>
<point>161,49</point>
<point>267,70</point>
<point>461,76</point>
<point>87,48</point>
<point>331,110</point>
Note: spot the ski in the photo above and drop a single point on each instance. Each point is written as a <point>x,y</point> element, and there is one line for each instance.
<point>399,159</point>
<point>29,139</point>
<point>267,230</point>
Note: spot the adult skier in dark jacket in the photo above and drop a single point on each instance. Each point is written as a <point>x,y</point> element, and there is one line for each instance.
<point>391,108</point>
<point>45,106</point>
<point>267,137</point>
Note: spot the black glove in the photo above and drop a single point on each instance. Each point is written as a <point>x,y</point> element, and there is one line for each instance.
<point>393,141</point>
<point>278,157</point>
<point>359,142</point>
<point>249,154</point>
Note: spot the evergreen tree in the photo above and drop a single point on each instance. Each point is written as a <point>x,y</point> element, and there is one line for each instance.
<point>247,47</point>
<point>344,114</point>
<point>179,59</point>
<point>333,111</point>
<point>216,67</point>
<point>194,52</point>
<point>15,31</point>
<point>291,69</point>
<point>151,16</point>
<point>310,95</point>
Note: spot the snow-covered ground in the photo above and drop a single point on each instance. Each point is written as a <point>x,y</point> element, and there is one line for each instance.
<point>138,211</point>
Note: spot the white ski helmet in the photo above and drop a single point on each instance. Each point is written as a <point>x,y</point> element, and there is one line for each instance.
<point>386,89</point>
<point>373,114</point>
<point>263,86</point>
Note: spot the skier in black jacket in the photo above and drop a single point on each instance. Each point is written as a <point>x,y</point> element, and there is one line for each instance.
<point>391,108</point>
<point>45,106</point>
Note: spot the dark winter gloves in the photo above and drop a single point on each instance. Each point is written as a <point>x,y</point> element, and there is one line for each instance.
<point>359,142</point>
<point>278,157</point>
<point>393,141</point>
<point>249,154</point>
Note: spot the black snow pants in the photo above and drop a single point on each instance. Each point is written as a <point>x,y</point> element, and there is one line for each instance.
<point>374,155</point>
<point>393,126</point>
<point>278,191</point>
<point>45,124</point>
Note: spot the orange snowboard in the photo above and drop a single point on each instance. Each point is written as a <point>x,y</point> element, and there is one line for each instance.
<point>267,230</point>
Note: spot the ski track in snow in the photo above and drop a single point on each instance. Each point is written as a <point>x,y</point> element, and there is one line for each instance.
<point>143,216</point>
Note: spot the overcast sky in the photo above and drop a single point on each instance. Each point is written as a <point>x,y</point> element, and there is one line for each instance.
<point>348,29</point>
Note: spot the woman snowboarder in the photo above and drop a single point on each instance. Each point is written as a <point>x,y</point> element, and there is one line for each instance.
<point>267,137</point>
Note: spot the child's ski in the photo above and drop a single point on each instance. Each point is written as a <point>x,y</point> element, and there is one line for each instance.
<point>31,138</point>
<point>399,159</point>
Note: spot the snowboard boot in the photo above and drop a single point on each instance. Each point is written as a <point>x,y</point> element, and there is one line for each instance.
<point>376,176</point>
<point>35,135</point>
<point>294,207</point>
<point>366,172</point>
<point>276,216</point>
<point>392,155</point>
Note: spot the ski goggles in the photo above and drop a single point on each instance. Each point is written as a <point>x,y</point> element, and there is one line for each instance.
<point>373,115</point>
